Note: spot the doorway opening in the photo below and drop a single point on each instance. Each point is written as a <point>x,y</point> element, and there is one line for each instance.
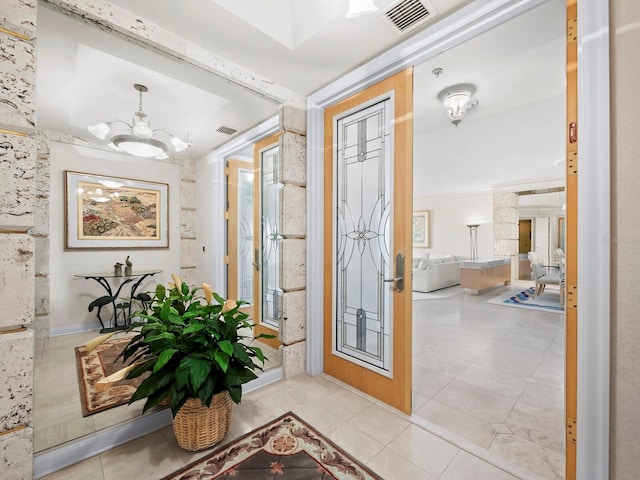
<point>489,367</point>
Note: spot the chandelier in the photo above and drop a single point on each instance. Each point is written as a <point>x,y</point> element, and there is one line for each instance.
<point>140,139</point>
<point>457,100</point>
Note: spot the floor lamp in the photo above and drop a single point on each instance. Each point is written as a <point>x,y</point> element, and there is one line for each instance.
<point>473,240</point>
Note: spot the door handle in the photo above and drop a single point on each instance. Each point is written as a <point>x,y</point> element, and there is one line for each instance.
<point>256,259</point>
<point>398,281</point>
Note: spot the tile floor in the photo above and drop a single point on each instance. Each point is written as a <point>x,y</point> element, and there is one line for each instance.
<point>491,375</point>
<point>379,437</point>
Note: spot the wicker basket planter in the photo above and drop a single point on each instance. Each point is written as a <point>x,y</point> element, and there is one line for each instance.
<point>197,427</point>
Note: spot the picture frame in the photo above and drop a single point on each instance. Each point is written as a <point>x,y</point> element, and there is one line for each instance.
<point>421,229</point>
<point>113,212</point>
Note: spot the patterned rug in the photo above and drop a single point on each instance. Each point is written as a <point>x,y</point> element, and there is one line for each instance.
<point>97,364</point>
<point>286,448</point>
<point>549,300</point>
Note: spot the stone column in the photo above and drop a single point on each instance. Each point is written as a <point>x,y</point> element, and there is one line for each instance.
<point>188,243</point>
<point>293,227</point>
<point>40,232</point>
<point>505,228</point>
<point>17,216</point>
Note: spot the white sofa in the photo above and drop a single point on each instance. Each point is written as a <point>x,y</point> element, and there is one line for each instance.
<point>433,272</point>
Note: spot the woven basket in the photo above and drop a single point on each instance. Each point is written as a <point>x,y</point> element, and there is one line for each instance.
<point>197,427</point>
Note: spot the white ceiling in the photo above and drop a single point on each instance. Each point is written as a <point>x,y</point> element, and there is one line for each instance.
<point>86,75</point>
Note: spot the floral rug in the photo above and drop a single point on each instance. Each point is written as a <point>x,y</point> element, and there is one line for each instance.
<point>286,448</point>
<point>96,365</point>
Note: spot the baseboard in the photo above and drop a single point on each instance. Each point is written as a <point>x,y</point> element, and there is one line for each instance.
<point>71,329</point>
<point>96,443</point>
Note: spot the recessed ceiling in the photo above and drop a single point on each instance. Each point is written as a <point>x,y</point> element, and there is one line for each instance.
<point>86,75</point>
<point>300,44</point>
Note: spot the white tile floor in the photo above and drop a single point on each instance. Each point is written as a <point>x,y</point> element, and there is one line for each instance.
<point>489,374</point>
<point>493,375</point>
<point>381,438</point>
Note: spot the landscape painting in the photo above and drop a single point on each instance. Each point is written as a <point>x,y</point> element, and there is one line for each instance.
<point>110,212</point>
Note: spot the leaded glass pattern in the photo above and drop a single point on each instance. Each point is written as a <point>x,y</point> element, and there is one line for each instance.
<point>245,235</point>
<point>271,237</point>
<point>363,179</point>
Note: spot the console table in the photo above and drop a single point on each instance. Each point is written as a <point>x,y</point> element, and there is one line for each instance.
<point>123,309</point>
<point>480,275</point>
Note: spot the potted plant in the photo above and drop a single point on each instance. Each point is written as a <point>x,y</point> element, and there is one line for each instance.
<point>197,356</point>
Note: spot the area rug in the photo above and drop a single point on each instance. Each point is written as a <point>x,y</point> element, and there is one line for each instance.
<point>286,448</point>
<point>549,300</point>
<point>96,365</point>
<point>438,294</point>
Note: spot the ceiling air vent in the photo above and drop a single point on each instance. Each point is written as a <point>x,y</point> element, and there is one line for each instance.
<point>406,15</point>
<point>226,130</point>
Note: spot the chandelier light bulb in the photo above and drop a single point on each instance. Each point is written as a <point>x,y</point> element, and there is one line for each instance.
<point>99,130</point>
<point>141,129</point>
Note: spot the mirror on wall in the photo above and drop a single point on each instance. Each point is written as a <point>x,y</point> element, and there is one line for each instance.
<point>252,244</point>
<point>71,54</point>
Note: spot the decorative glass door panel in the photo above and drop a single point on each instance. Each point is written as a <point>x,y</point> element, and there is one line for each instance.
<point>240,238</point>
<point>271,238</point>
<point>363,190</point>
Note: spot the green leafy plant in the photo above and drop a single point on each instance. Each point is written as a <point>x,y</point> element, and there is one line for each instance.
<point>192,345</point>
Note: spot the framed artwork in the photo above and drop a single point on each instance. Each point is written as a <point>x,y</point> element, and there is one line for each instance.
<point>111,212</point>
<point>421,229</point>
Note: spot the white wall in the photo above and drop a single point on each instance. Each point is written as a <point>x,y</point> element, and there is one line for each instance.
<point>212,233</point>
<point>71,296</point>
<point>449,218</point>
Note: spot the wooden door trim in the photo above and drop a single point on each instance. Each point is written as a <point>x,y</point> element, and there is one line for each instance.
<point>376,385</point>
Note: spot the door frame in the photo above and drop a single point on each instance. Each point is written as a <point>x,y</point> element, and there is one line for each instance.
<point>593,196</point>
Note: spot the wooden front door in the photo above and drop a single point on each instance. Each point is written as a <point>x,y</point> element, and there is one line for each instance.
<point>368,220</point>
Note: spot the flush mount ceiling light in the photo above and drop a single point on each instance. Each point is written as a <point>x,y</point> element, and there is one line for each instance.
<point>140,140</point>
<point>457,100</point>
<point>360,7</point>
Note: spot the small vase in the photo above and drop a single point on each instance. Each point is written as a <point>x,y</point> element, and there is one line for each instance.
<point>197,427</point>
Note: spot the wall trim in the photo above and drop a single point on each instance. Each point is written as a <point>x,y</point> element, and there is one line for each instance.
<point>593,200</point>
<point>594,261</point>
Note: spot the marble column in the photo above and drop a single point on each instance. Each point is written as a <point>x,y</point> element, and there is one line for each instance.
<point>505,228</point>
<point>17,216</point>
<point>293,226</point>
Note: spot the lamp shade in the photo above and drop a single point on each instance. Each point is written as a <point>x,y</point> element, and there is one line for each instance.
<point>360,7</point>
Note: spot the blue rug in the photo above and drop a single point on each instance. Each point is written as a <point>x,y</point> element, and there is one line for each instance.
<point>548,301</point>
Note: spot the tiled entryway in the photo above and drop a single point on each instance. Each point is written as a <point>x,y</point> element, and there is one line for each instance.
<point>493,375</point>
<point>382,438</point>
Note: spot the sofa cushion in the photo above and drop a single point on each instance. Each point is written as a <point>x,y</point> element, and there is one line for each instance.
<point>449,259</point>
<point>425,262</point>
<point>417,260</point>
